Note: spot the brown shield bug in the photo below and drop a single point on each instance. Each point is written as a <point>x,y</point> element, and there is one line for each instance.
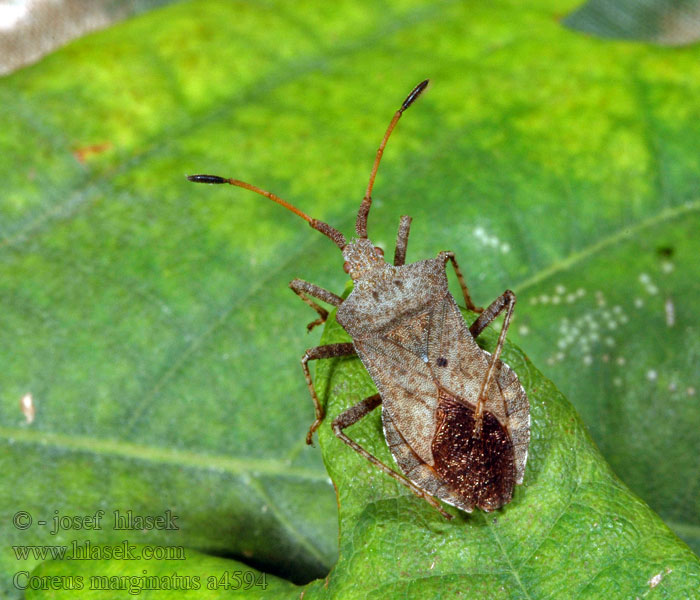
<point>455,417</point>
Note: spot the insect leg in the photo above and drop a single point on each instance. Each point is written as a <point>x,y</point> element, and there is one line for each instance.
<point>449,255</point>
<point>351,416</point>
<point>494,309</point>
<point>304,289</point>
<point>328,351</point>
<point>402,241</point>
<point>504,302</point>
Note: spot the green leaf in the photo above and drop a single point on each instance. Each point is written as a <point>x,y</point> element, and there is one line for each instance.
<point>572,530</point>
<point>150,320</point>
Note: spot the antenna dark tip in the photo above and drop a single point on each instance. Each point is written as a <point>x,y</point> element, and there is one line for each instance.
<point>417,91</point>
<point>207,179</point>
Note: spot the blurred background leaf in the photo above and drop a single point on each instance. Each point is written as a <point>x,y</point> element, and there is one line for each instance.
<point>150,320</point>
<point>30,29</point>
<point>572,530</point>
<point>199,576</point>
<point>664,22</point>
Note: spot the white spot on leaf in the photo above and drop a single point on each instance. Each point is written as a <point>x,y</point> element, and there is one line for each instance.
<point>26,405</point>
<point>670,311</point>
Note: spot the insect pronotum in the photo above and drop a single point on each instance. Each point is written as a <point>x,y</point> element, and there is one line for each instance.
<point>455,417</point>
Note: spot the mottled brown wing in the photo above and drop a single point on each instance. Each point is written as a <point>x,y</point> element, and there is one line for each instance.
<point>394,359</point>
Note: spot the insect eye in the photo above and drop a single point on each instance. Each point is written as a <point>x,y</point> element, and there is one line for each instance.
<point>379,251</point>
<point>346,267</point>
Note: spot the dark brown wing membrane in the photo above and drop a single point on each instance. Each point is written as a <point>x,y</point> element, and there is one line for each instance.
<point>481,469</point>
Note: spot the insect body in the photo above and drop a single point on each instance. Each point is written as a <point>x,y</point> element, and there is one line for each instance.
<point>455,417</point>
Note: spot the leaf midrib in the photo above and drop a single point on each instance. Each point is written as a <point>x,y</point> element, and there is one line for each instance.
<point>156,455</point>
<point>610,240</point>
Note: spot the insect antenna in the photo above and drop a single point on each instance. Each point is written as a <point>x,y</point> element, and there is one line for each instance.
<point>330,232</point>
<point>361,223</point>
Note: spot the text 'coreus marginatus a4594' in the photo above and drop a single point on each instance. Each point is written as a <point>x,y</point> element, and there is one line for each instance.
<point>455,417</point>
